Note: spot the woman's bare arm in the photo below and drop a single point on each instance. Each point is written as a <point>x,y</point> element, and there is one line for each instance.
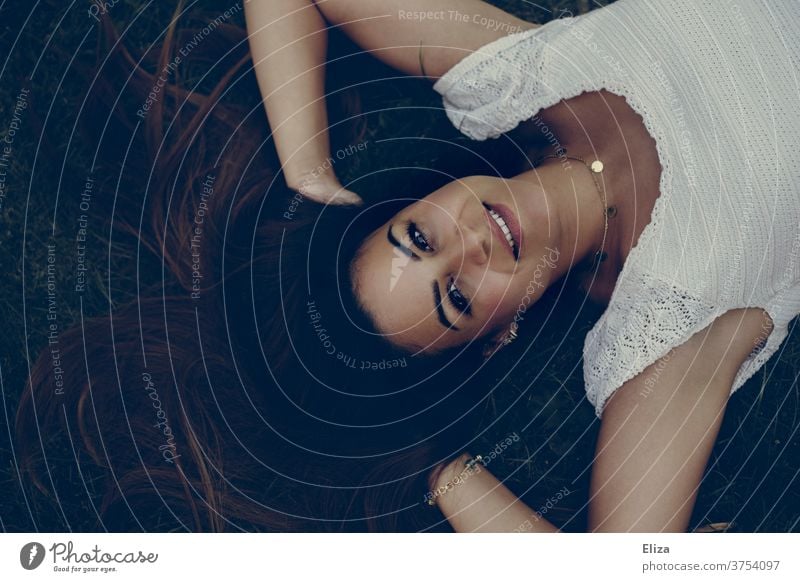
<point>288,40</point>
<point>659,429</point>
<point>475,501</point>
<point>657,433</point>
<point>448,30</point>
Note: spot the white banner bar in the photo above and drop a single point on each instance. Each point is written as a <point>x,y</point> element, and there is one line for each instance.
<point>399,557</point>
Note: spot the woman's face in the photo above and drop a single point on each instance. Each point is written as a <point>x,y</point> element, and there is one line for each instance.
<point>458,264</point>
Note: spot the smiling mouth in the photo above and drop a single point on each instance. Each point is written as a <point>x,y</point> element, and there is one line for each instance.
<point>504,230</point>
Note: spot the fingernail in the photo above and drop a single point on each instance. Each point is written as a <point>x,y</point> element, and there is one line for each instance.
<point>351,199</point>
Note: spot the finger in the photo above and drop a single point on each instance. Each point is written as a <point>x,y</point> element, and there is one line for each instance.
<point>340,197</point>
<point>343,197</point>
<point>337,199</point>
<point>329,195</point>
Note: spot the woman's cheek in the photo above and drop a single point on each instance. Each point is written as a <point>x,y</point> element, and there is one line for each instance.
<point>499,300</point>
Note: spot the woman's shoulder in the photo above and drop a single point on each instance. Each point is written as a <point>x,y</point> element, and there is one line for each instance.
<point>499,85</point>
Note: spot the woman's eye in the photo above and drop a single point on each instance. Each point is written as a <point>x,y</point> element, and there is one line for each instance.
<point>457,299</point>
<point>418,237</point>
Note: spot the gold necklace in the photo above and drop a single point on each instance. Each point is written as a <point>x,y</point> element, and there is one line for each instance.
<point>595,168</point>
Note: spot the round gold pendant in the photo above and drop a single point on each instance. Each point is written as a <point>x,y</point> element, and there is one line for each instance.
<point>597,166</point>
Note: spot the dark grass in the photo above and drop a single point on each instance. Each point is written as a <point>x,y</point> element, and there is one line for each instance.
<point>752,477</point>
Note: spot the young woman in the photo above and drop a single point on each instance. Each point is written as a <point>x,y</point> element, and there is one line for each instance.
<point>673,144</point>
<point>297,360</point>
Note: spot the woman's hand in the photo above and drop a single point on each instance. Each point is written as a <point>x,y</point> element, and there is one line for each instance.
<point>324,187</point>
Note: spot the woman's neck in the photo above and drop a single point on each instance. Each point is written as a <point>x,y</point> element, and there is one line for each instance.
<point>576,204</point>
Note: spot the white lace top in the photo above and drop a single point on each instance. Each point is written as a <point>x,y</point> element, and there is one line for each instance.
<point>717,84</point>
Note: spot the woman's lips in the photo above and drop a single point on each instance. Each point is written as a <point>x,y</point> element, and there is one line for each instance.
<point>513,225</point>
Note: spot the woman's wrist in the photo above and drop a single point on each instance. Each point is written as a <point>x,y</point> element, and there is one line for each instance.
<point>452,475</point>
<point>474,500</point>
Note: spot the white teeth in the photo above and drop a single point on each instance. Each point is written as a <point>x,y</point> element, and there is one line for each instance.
<point>503,226</point>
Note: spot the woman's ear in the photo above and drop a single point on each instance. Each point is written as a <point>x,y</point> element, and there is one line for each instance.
<point>501,338</point>
<point>494,342</point>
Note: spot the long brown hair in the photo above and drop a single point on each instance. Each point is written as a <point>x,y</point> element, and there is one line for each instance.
<point>212,395</point>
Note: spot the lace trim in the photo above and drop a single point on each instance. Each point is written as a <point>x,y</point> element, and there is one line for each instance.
<point>467,65</point>
<point>634,333</point>
<point>484,98</point>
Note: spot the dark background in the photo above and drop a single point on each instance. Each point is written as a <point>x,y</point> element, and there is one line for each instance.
<point>752,476</point>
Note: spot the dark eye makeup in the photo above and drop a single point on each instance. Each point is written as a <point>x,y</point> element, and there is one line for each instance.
<point>418,237</point>
<point>457,299</point>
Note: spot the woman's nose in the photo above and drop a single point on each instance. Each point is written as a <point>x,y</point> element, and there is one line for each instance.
<point>476,246</point>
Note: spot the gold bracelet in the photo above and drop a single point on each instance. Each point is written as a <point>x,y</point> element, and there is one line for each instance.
<point>469,464</point>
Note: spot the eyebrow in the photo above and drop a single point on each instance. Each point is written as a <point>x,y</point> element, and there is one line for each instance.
<point>437,294</point>
<point>403,248</point>
<point>437,300</point>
